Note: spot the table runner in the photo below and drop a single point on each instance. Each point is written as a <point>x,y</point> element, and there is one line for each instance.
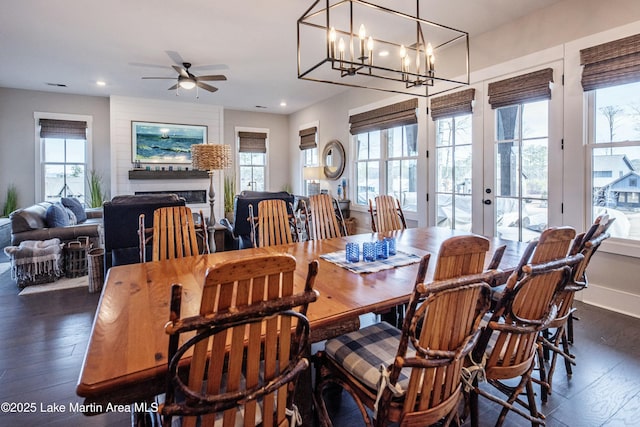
<point>398,260</point>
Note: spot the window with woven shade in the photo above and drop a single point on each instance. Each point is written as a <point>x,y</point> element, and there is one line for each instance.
<point>252,160</point>
<point>309,157</point>
<point>611,81</point>
<point>63,159</point>
<point>386,153</point>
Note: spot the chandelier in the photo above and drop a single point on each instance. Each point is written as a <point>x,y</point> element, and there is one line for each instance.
<point>360,44</point>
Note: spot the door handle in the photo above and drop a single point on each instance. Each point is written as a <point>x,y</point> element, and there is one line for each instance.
<point>486,201</point>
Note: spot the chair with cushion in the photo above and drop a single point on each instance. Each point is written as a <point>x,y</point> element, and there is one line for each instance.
<point>412,376</point>
<point>586,244</point>
<point>249,347</point>
<point>507,347</point>
<point>121,214</point>
<point>173,234</point>
<point>273,224</point>
<point>239,233</point>
<point>386,215</point>
<point>325,217</point>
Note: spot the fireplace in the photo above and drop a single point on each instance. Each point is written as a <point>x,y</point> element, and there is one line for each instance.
<point>190,196</point>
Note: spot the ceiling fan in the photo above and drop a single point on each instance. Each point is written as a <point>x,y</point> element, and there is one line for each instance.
<point>187,80</point>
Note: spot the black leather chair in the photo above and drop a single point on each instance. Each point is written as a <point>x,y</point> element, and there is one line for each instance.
<point>239,236</point>
<point>121,215</point>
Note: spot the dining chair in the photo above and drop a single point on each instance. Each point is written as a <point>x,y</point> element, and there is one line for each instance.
<point>325,217</point>
<point>508,345</point>
<point>273,225</point>
<point>386,215</point>
<point>249,346</point>
<point>559,332</point>
<point>411,376</point>
<point>173,234</point>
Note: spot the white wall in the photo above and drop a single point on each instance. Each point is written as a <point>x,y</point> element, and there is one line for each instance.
<point>17,130</point>
<point>123,110</point>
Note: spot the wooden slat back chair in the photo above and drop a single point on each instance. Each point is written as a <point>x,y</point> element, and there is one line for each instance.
<point>249,348</point>
<point>507,346</point>
<point>562,326</point>
<point>173,234</point>
<point>273,224</point>
<point>412,376</point>
<point>386,215</point>
<point>325,217</point>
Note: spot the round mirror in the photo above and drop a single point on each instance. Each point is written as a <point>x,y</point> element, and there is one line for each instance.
<point>334,159</point>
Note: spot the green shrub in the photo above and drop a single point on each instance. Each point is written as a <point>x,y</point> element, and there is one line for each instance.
<point>11,203</point>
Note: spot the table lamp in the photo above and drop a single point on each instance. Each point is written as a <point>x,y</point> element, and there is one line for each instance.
<point>313,174</point>
<point>211,157</point>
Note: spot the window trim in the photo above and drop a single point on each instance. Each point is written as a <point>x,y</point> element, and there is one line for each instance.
<point>39,147</point>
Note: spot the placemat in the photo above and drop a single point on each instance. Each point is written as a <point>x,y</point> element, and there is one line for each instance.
<point>398,260</point>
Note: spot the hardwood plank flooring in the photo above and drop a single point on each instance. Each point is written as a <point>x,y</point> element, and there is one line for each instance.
<point>44,337</point>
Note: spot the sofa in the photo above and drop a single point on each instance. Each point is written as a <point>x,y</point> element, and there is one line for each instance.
<point>31,223</point>
<point>121,241</point>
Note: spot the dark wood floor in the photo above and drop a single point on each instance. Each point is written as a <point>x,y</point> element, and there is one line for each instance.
<point>44,337</point>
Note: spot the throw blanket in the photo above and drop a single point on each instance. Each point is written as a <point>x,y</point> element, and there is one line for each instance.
<point>33,259</point>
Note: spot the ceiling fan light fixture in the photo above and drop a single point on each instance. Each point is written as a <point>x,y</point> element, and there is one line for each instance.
<point>187,83</point>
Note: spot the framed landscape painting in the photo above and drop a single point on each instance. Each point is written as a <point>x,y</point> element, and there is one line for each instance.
<point>164,142</point>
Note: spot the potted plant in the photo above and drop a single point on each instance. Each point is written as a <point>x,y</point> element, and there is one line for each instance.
<point>11,203</point>
<point>229,195</point>
<point>96,193</point>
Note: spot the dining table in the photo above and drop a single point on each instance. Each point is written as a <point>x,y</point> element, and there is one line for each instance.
<point>126,357</point>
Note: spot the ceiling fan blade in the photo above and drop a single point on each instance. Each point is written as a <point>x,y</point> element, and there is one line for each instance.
<point>174,87</point>
<point>212,78</point>
<point>160,78</point>
<point>206,87</point>
<point>181,71</point>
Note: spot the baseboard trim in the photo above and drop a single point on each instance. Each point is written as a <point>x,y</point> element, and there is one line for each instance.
<point>612,299</point>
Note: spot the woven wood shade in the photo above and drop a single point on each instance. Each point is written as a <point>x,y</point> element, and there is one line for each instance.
<point>611,64</point>
<point>453,104</point>
<point>308,138</point>
<point>208,157</point>
<point>400,114</point>
<point>527,87</point>
<point>67,129</point>
<point>252,142</point>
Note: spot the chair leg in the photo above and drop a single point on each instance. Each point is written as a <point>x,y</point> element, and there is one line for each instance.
<point>545,387</point>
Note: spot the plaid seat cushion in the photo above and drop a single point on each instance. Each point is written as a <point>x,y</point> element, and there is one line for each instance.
<point>362,352</point>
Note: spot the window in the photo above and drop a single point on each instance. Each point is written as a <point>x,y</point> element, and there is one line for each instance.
<point>386,144</point>
<point>63,159</point>
<point>453,172</point>
<point>252,160</point>
<point>614,146</point>
<point>386,163</point>
<point>309,153</point>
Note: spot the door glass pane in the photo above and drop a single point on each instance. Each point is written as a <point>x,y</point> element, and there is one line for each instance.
<point>410,141</point>
<point>444,129</point>
<point>507,122</point>
<point>444,168</point>
<point>535,168</point>
<point>463,130</point>
<point>444,210</point>
<point>535,123</point>
<point>507,169</point>
<point>463,169</point>
<point>394,142</point>
<point>463,212</point>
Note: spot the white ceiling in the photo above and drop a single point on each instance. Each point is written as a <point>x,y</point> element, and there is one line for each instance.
<point>252,42</point>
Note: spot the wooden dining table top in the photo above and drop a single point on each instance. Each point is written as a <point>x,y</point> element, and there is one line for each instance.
<point>126,357</point>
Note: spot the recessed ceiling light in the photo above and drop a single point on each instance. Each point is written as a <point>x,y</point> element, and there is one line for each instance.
<point>283,104</point>
<point>383,53</point>
<point>101,83</point>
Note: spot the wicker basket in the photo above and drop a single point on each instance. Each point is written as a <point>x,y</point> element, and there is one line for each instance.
<point>75,260</point>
